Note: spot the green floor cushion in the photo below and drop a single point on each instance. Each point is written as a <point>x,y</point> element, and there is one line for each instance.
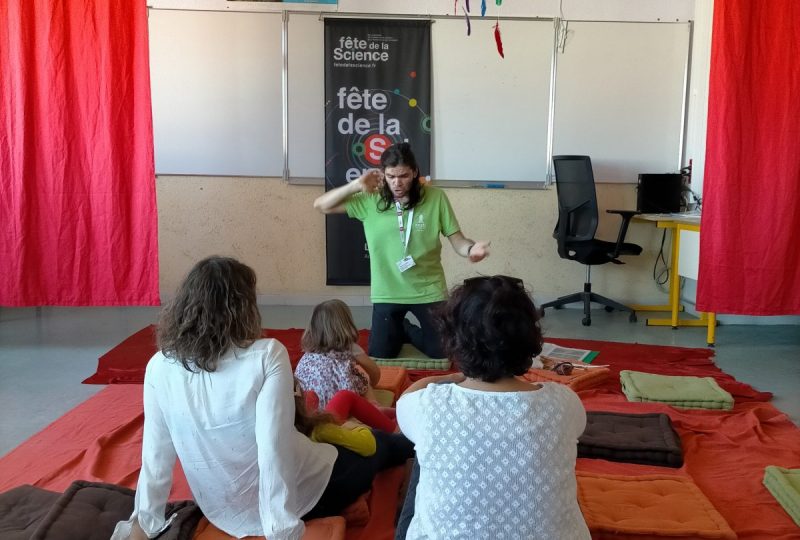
<point>410,357</point>
<point>384,397</point>
<point>784,484</point>
<point>678,391</point>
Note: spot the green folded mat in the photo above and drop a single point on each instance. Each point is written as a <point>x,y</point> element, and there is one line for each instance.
<point>678,391</point>
<point>410,357</point>
<point>385,397</point>
<point>784,484</point>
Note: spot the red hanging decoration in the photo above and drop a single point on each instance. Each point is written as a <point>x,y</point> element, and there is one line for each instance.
<point>498,40</point>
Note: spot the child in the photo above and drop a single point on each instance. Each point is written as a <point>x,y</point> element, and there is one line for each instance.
<point>336,369</point>
<point>324,427</point>
<point>219,398</point>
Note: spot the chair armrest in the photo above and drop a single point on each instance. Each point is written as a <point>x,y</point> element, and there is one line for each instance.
<point>626,216</point>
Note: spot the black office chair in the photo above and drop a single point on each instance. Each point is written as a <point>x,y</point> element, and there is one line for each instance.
<point>575,230</point>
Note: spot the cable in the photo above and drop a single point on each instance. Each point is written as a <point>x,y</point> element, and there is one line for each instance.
<point>563,28</point>
<point>661,277</point>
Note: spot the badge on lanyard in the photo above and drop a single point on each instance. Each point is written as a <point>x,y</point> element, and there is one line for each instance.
<point>405,234</point>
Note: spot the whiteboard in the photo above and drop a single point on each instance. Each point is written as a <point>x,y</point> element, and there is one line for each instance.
<point>216,92</point>
<point>619,94</point>
<point>490,114</point>
<point>619,97</point>
<point>306,96</point>
<point>468,75</point>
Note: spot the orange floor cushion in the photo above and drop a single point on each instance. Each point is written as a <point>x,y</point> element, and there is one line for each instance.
<point>357,514</point>
<point>330,528</point>
<point>648,507</point>
<point>394,379</point>
<point>579,379</point>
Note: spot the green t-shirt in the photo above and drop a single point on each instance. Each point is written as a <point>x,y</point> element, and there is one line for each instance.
<point>423,283</point>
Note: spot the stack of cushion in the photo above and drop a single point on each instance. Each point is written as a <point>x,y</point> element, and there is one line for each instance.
<point>784,484</point>
<point>579,379</point>
<point>647,439</point>
<point>393,380</point>
<point>411,358</point>
<point>678,391</point>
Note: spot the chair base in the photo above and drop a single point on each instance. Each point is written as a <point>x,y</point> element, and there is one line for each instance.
<point>587,297</point>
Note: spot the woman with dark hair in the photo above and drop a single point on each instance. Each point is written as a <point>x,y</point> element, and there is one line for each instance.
<point>495,455</point>
<point>403,220</point>
<point>222,401</point>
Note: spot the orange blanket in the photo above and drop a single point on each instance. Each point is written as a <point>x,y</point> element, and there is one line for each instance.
<point>101,440</point>
<point>725,452</point>
<point>331,528</point>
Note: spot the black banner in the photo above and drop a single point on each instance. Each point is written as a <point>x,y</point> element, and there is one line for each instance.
<point>377,92</point>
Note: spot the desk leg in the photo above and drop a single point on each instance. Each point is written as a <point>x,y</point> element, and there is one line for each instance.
<point>674,278</point>
<point>712,329</point>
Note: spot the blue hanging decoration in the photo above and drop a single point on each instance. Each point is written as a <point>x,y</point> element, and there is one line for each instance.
<point>469,25</point>
<point>483,8</point>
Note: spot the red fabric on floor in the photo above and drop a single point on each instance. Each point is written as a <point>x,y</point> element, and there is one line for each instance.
<point>749,262</point>
<point>101,440</point>
<point>725,452</point>
<point>657,359</point>
<point>126,362</point>
<point>78,222</point>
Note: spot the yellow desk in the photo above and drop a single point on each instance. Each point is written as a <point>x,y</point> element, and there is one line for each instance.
<point>677,223</point>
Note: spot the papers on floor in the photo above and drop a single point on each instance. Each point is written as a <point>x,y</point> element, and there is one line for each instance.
<point>558,353</point>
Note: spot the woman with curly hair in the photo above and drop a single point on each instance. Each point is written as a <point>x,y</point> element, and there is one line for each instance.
<point>221,399</point>
<point>495,455</point>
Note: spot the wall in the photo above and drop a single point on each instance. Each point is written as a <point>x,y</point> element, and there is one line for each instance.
<point>273,227</point>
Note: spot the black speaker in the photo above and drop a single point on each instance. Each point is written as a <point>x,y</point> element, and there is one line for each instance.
<point>659,193</point>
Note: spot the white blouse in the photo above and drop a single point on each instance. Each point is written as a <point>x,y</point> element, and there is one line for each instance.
<point>495,465</point>
<point>250,471</point>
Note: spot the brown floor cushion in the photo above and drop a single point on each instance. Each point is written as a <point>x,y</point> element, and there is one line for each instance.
<point>647,439</point>
<point>21,510</point>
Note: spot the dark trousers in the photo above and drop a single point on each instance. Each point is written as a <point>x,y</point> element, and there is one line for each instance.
<point>390,329</point>
<point>408,505</point>
<point>353,474</point>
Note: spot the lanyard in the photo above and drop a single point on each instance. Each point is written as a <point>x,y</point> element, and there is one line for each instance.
<point>403,229</point>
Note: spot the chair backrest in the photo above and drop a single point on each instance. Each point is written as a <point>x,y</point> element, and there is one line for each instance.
<point>577,199</point>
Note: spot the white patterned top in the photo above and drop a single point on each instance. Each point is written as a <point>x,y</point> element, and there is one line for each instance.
<point>495,465</point>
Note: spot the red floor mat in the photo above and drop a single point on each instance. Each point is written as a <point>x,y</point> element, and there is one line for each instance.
<point>125,363</point>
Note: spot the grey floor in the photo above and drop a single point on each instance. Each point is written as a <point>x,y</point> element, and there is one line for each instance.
<point>46,353</point>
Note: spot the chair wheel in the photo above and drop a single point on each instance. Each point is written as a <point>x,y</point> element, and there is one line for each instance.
<point>632,317</point>
<point>586,321</point>
<point>608,309</point>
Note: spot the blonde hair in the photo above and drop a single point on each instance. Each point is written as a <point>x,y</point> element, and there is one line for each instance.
<point>331,328</point>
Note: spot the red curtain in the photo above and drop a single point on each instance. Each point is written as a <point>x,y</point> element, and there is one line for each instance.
<point>78,222</point>
<point>750,236</point>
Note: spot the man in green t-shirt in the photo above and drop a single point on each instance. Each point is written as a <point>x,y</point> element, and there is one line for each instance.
<point>402,223</point>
